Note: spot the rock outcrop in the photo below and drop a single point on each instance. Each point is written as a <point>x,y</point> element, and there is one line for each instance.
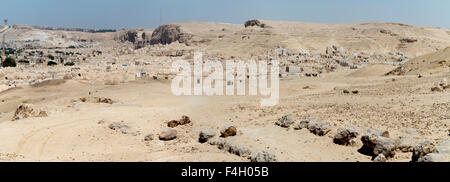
<point>166,34</point>
<point>252,23</point>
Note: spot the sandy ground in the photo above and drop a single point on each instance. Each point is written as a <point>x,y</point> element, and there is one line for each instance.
<point>403,105</point>
<point>401,102</point>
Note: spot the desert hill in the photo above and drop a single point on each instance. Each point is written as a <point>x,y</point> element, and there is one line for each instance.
<point>381,38</point>
<point>107,96</point>
<point>433,63</point>
<point>236,40</point>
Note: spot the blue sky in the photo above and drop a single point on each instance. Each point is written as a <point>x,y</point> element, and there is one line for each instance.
<point>145,13</point>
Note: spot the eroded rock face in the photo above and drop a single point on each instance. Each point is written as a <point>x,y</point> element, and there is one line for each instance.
<point>28,111</point>
<point>167,34</point>
<point>130,36</point>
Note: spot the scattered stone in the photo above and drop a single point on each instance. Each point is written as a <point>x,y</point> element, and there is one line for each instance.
<point>28,111</point>
<point>242,151</point>
<point>129,131</point>
<point>227,146</point>
<point>124,129</point>
<point>263,156</point>
<point>285,121</point>
<point>115,126</point>
<point>228,131</point>
<point>443,82</point>
<point>319,128</point>
<point>183,121</point>
<point>440,154</point>
<point>224,145</point>
<point>168,134</point>
<point>421,150</point>
<point>408,40</point>
<point>215,141</point>
<point>404,144</point>
<point>302,124</point>
<point>380,158</point>
<point>437,89</point>
<point>173,123</point>
<point>375,143</point>
<point>346,135</point>
<point>96,100</point>
<point>148,137</point>
<point>205,135</point>
<point>101,121</point>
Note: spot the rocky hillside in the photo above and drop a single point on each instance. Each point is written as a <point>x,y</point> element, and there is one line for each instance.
<point>433,63</point>
<point>382,38</point>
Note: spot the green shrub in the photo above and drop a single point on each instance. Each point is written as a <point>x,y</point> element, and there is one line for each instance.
<point>51,57</point>
<point>9,62</point>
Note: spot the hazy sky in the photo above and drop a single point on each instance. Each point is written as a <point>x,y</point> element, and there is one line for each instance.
<point>145,13</point>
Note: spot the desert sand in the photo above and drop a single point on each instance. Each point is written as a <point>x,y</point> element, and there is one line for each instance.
<point>390,71</point>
